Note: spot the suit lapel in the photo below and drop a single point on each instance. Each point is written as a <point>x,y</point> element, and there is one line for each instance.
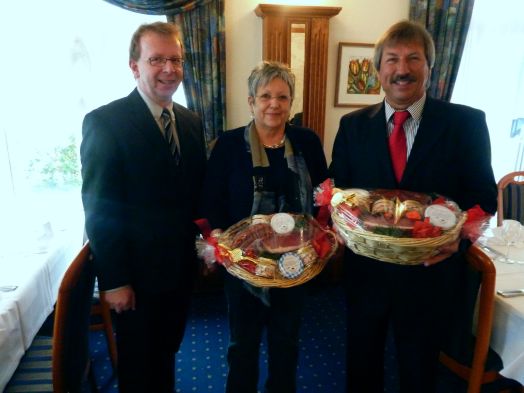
<point>379,137</point>
<point>180,129</point>
<point>145,124</point>
<point>143,121</point>
<point>185,131</point>
<point>429,132</point>
<point>378,144</point>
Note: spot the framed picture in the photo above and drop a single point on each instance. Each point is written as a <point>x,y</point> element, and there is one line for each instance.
<point>357,79</point>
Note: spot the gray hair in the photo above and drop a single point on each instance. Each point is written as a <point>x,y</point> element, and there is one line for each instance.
<point>164,29</point>
<point>265,72</point>
<point>405,32</point>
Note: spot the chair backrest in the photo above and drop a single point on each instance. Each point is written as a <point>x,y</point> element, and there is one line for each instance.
<point>472,367</point>
<point>71,326</point>
<point>510,198</point>
<point>479,261</point>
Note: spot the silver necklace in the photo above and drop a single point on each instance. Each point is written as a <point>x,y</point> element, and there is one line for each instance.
<point>276,145</point>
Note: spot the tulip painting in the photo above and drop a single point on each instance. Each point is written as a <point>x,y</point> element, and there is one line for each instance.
<point>362,77</point>
<point>357,79</point>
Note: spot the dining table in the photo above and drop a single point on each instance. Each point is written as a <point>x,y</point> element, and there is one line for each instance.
<point>29,283</point>
<point>507,337</point>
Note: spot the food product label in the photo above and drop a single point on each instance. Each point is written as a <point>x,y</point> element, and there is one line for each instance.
<point>282,223</point>
<point>441,216</point>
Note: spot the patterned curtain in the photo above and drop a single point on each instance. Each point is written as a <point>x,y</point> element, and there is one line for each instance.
<point>204,40</point>
<point>158,7</point>
<point>448,22</point>
<point>202,25</point>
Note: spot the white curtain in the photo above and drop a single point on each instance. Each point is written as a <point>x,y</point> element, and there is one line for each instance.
<point>491,78</point>
<point>61,59</point>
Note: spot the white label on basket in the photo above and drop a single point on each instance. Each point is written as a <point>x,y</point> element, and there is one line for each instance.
<point>290,265</point>
<point>337,199</point>
<point>441,216</point>
<point>282,223</point>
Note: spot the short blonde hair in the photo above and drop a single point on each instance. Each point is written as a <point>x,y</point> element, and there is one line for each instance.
<point>265,72</point>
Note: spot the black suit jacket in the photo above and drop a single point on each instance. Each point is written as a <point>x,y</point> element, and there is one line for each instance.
<point>451,154</point>
<point>139,204</point>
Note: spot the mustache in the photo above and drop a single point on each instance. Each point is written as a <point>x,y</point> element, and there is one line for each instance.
<point>403,78</point>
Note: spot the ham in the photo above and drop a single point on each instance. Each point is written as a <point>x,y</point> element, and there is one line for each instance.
<point>373,222</point>
<point>250,235</point>
<point>278,244</point>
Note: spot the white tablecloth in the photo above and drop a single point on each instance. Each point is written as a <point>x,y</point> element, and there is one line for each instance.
<point>24,310</point>
<point>11,341</point>
<point>33,295</point>
<point>507,337</point>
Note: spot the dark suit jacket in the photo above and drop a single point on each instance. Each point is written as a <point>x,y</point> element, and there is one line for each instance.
<point>139,204</point>
<point>451,154</point>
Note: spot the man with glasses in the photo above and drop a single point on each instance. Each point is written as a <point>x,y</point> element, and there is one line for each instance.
<point>143,160</point>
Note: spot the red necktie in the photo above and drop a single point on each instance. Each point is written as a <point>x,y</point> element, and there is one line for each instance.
<point>397,144</point>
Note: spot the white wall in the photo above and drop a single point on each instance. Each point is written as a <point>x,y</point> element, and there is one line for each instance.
<point>358,21</point>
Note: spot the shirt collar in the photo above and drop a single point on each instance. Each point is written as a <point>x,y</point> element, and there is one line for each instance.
<point>415,109</point>
<point>155,109</point>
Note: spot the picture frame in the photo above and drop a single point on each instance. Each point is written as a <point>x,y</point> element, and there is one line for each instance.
<point>357,79</point>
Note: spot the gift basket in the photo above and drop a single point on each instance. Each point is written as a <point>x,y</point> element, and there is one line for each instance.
<point>396,226</point>
<point>279,250</point>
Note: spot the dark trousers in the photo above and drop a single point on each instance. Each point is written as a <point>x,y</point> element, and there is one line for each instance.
<point>410,300</point>
<point>147,340</point>
<point>247,318</point>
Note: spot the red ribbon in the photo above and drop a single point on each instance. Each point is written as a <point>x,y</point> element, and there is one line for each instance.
<point>322,194</point>
<point>323,215</point>
<point>321,244</point>
<point>204,226</point>
<point>205,229</point>
<point>476,223</point>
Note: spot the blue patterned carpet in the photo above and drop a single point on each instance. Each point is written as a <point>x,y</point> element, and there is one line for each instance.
<point>201,363</point>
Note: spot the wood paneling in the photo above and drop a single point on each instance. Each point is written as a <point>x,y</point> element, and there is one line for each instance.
<point>277,21</point>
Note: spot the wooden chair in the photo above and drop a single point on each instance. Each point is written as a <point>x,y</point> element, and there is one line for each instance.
<point>70,354</point>
<point>510,198</point>
<point>475,372</point>
<point>73,313</point>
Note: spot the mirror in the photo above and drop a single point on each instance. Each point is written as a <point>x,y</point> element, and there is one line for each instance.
<point>298,48</point>
<point>298,36</point>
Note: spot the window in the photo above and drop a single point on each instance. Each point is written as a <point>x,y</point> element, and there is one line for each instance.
<point>60,60</point>
<point>491,78</point>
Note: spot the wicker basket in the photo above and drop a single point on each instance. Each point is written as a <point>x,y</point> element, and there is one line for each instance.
<point>234,256</point>
<point>402,250</point>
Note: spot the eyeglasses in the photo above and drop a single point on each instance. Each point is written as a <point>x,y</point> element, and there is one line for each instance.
<point>267,97</point>
<point>161,61</point>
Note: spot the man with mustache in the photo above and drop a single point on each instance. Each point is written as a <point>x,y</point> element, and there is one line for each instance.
<point>446,150</point>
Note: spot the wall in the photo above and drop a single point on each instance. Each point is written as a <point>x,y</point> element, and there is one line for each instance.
<point>358,21</point>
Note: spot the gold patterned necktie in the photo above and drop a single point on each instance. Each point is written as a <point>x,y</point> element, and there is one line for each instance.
<point>169,134</point>
<point>397,144</point>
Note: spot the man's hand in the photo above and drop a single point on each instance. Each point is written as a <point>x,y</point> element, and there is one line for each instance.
<point>444,252</point>
<point>208,269</point>
<point>121,299</point>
